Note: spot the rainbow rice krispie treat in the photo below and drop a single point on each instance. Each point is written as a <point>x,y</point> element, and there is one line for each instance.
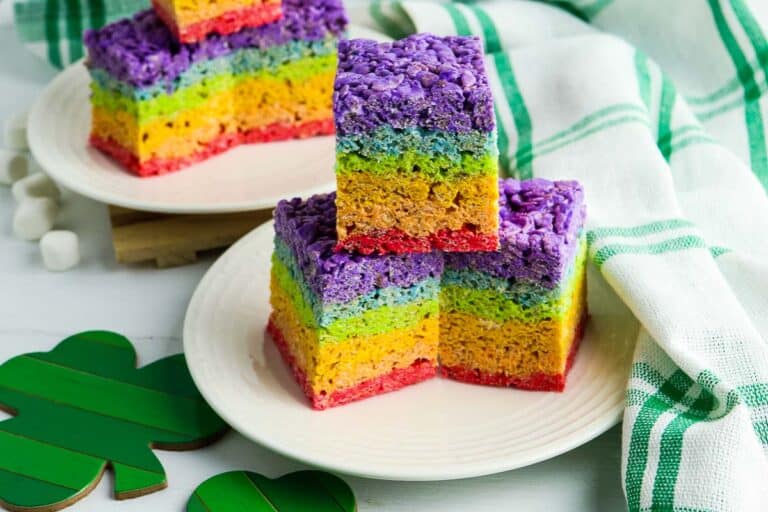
<point>193,20</point>
<point>515,317</point>
<point>159,105</point>
<point>416,156</point>
<point>349,326</point>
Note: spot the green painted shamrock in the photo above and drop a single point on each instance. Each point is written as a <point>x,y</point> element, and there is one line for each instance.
<point>304,491</point>
<point>84,406</point>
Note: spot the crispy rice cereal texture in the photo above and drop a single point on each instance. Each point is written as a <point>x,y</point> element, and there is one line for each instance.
<point>416,156</point>
<point>159,105</point>
<point>351,326</point>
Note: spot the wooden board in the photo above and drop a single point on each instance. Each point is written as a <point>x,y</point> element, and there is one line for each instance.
<point>173,240</point>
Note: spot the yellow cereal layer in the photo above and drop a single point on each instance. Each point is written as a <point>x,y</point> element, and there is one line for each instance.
<point>415,204</point>
<point>514,347</point>
<point>331,366</point>
<point>250,104</point>
<point>186,12</point>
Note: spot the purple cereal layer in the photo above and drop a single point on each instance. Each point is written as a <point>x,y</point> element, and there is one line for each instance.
<point>426,81</point>
<point>141,51</point>
<point>308,227</point>
<point>540,225</point>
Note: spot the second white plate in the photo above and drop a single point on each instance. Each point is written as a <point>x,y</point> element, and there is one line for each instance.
<point>437,430</point>
<point>249,177</point>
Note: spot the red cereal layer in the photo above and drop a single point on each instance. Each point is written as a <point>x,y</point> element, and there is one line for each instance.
<point>535,382</point>
<point>398,242</point>
<point>157,166</point>
<point>224,24</point>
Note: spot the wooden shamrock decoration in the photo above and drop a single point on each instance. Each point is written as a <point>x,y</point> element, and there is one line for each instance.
<point>304,491</point>
<point>84,406</point>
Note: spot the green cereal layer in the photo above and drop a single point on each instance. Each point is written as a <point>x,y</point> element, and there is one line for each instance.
<point>436,168</point>
<point>369,323</point>
<point>493,305</point>
<point>499,300</point>
<point>202,91</point>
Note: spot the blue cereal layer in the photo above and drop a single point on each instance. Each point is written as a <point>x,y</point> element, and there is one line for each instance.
<point>327,313</point>
<point>481,294</point>
<point>395,142</point>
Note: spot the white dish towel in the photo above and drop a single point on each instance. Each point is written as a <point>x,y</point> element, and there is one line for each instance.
<point>658,107</point>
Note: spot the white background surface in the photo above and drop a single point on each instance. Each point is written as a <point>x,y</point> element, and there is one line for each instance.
<point>38,309</point>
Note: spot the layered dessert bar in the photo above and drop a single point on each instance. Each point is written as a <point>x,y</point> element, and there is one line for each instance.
<point>416,155</point>
<point>515,317</point>
<point>193,20</point>
<point>159,105</point>
<point>349,326</point>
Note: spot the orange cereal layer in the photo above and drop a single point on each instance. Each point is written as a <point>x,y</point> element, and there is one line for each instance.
<point>415,205</point>
<point>188,12</point>
<point>332,366</point>
<point>250,104</point>
<point>516,348</point>
<point>398,378</point>
<point>158,166</point>
<point>535,382</point>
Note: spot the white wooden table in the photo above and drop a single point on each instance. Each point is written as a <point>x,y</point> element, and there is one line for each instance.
<point>38,309</point>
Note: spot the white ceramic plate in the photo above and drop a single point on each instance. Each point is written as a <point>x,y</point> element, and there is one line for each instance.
<point>246,178</point>
<point>436,430</point>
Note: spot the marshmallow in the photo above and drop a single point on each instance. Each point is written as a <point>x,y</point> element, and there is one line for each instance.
<point>35,185</point>
<point>34,217</point>
<point>13,167</point>
<point>16,131</point>
<point>60,250</point>
<point>34,167</point>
